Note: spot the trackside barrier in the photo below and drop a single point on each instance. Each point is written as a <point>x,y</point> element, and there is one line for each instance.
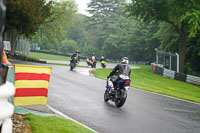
<point>169,73</point>
<point>193,80</point>
<point>7,109</point>
<point>174,75</point>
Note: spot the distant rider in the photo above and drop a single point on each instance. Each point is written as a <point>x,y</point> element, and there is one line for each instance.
<point>76,57</point>
<point>120,70</point>
<point>93,58</point>
<point>102,59</point>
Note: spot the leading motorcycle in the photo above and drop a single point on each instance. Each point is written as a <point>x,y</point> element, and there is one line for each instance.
<point>73,63</point>
<point>117,93</point>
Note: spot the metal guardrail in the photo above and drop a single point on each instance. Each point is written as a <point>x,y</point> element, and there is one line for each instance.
<point>193,80</point>
<point>98,59</point>
<point>174,75</point>
<point>169,73</point>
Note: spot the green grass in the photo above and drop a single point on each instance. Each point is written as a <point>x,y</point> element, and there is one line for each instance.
<point>144,79</point>
<point>48,56</point>
<point>59,64</point>
<point>53,124</point>
<point>66,65</point>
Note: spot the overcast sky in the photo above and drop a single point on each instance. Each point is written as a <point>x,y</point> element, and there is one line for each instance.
<point>82,6</point>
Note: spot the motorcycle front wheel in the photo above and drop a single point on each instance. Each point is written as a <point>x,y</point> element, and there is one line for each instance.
<point>121,98</point>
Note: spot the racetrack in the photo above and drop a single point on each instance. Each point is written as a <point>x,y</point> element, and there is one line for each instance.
<point>81,97</point>
<point>98,65</point>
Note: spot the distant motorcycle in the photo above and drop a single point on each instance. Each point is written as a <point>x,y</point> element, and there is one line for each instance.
<point>103,64</point>
<point>93,63</point>
<point>73,63</point>
<point>119,93</point>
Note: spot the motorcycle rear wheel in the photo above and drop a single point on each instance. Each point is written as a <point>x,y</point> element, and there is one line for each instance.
<point>106,95</point>
<point>71,67</point>
<point>122,95</point>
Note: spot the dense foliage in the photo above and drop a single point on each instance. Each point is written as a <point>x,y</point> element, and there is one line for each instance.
<point>182,15</point>
<point>51,35</point>
<point>24,17</point>
<point>111,32</point>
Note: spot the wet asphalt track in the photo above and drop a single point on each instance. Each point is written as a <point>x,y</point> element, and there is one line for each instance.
<point>98,65</point>
<point>81,97</point>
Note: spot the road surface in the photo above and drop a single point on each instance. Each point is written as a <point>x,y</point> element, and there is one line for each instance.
<point>81,97</point>
<point>98,65</point>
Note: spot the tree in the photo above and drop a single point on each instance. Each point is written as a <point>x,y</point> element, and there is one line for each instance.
<point>182,15</point>
<point>168,37</point>
<point>54,28</point>
<point>105,14</point>
<point>24,17</point>
<point>68,46</point>
<point>193,56</point>
<point>111,47</point>
<point>102,9</point>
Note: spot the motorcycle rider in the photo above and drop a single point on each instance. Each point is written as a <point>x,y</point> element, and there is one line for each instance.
<point>119,70</point>
<point>76,54</point>
<point>102,59</point>
<point>103,62</point>
<point>94,58</point>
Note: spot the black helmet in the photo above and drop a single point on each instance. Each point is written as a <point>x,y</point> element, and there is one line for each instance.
<point>124,60</point>
<point>92,53</point>
<point>77,51</point>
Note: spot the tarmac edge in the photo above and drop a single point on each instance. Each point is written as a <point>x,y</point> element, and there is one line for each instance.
<point>67,117</point>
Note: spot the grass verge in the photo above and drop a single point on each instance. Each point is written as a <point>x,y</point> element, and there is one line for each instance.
<point>144,79</point>
<point>53,124</point>
<point>65,65</point>
<point>48,56</point>
<point>59,64</point>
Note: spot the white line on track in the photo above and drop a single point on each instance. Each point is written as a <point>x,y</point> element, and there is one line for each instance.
<point>166,96</point>
<point>67,117</point>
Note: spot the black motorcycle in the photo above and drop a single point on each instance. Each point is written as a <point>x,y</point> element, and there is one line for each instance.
<point>73,63</point>
<point>119,93</point>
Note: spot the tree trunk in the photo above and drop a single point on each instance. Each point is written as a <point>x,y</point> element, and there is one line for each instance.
<point>182,47</point>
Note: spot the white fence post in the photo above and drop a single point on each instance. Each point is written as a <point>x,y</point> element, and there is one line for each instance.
<point>177,55</point>
<point>7,109</point>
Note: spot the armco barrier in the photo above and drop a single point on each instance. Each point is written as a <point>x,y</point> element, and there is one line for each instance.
<point>159,70</point>
<point>6,90</point>
<point>22,58</point>
<point>174,75</point>
<point>180,77</point>
<point>169,73</point>
<point>98,59</point>
<point>193,80</point>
